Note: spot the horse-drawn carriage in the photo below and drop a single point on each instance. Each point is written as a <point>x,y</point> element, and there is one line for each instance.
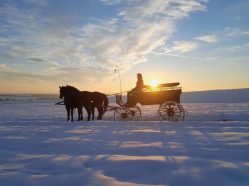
<point>166,95</point>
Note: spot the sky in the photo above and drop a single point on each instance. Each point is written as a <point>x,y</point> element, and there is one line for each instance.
<point>203,44</point>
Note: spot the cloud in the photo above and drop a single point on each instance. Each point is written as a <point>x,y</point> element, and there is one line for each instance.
<point>239,48</point>
<point>141,27</point>
<point>186,57</point>
<point>112,2</point>
<point>36,59</point>
<point>242,48</point>
<point>182,47</point>
<point>69,74</point>
<point>6,68</point>
<point>94,47</point>
<point>208,38</point>
<point>3,67</point>
<point>38,2</point>
<point>235,32</point>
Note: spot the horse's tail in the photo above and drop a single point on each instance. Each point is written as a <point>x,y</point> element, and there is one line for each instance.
<point>105,103</point>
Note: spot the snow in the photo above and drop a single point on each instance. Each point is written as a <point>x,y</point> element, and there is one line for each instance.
<point>217,96</point>
<point>38,147</point>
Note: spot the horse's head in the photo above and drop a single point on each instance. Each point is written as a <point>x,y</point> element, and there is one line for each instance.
<point>62,91</point>
<point>67,91</point>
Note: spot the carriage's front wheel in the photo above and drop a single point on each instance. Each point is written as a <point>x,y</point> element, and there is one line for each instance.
<point>171,111</point>
<point>135,113</point>
<point>122,114</point>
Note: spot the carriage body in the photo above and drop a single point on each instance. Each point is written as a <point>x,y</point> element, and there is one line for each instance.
<point>155,97</point>
<point>167,95</point>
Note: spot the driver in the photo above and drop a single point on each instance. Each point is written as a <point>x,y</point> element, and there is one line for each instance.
<point>139,87</point>
<point>140,83</point>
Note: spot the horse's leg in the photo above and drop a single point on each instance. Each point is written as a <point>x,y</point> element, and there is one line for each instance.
<point>78,109</point>
<point>81,113</point>
<point>100,110</point>
<point>68,113</point>
<point>88,113</point>
<point>92,110</point>
<point>78,114</point>
<point>72,114</point>
<point>98,118</point>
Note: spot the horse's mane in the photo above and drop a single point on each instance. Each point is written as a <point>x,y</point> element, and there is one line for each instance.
<point>69,87</point>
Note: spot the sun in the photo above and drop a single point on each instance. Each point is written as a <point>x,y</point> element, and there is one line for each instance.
<point>154,83</point>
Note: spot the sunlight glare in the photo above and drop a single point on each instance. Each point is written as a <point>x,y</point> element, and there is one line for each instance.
<point>154,83</point>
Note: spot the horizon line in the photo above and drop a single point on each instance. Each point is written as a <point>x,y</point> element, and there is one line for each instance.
<point>36,93</point>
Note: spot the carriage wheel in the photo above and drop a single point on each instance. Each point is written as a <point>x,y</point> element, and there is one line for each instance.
<point>135,112</point>
<point>182,112</point>
<point>122,114</point>
<point>171,111</point>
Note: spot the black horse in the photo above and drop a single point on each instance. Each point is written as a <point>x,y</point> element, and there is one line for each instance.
<point>95,100</point>
<point>73,98</point>
<point>100,101</point>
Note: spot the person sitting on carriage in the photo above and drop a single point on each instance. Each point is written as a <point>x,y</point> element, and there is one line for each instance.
<point>139,87</point>
<point>140,83</point>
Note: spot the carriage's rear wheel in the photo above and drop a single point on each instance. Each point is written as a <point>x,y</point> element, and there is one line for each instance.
<point>171,111</point>
<point>122,114</point>
<point>135,113</point>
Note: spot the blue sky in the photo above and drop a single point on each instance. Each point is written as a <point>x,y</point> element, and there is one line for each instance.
<point>46,43</point>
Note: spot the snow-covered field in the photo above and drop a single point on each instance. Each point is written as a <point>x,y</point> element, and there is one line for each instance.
<point>37,147</point>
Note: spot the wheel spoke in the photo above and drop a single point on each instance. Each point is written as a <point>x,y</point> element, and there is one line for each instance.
<point>118,111</point>
<point>176,119</point>
<point>135,113</point>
